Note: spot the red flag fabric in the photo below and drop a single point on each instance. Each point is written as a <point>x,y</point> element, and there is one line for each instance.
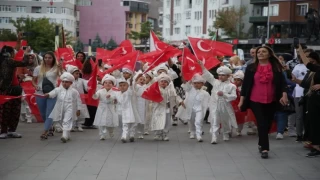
<point>127,61</point>
<point>222,48</point>
<point>190,66</point>
<point>68,58</point>
<point>153,93</point>
<point>19,55</point>
<point>92,86</point>
<point>100,53</point>
<point>204,52</point>
<point>150,56</point>
<point>24,43</point>
<point>157,44</point>
<point>31,99</point>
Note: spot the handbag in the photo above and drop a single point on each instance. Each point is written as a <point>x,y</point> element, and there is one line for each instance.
<point>47,85</point>
<point>14,91</point>
<point>290,108</point>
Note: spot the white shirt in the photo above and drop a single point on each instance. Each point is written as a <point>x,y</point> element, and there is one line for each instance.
<point>51,75</point>
<point>299,71</point>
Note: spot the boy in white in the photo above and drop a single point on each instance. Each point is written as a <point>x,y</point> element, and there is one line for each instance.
<point>196,106</point>
<point>139,85</point>
<point>80,85</point>
<point>68,105</point>
<point>106,116</point>
<point>129,115</point>
<point>149,79</point>
<point>221,111</point>
<point>161,117</point>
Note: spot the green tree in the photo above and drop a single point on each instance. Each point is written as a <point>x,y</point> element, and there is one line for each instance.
<point>144,34</point>
<point>8,36</point>
<point>111,44</point>
<point>97,43</point>
<point>78,46</point>
<point>213,34</point>
<point>40,33</point>
<point>230,21</point>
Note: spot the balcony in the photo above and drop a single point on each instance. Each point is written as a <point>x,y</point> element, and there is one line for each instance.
<point>258,19</point>
<point>259,1</point>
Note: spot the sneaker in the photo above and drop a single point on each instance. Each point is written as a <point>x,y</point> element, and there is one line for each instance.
<point>123,140</point>
<point>166,138</point>
<point>199,139</point>
<point>299,139</point>
<point>131,139</point>
<point>146,133</point>
<point>80,129</point>
<point>226,137</point>
<point>140,137</point>
<point>313,153</point>
<point>238,134</point>
<point>192,136</point>
<point>292,133</point>
<point>214,140</point>
<point>58,130</point>
<point>29,121</point>
<point>279,136</point>
<point>264,155</point>
<point>14,135</point>
<point>175,123</point>
<point>63,139</point>
<point>102,137</point>
<point>157,138</point>
<point>3,136</point>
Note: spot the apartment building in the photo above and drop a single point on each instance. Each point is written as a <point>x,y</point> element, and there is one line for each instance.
<point>58,11</point>
<point>182,18</point>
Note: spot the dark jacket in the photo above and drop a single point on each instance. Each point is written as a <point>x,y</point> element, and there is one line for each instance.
<point>278,81</point>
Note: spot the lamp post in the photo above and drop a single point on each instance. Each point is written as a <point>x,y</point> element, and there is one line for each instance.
<point>268,24</point>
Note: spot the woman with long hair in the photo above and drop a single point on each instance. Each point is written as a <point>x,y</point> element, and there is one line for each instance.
<point>313,104</point>
<point>9,86</point>
<point>45,79</point>
<point>264,86</point>
<point>81,56</point>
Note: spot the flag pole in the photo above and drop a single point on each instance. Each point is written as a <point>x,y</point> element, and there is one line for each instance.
<point>153,63</point>
<point>182,61</point>
<point>192,49</point>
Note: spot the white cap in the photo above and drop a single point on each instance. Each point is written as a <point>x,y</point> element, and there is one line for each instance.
<point>122,80</point>
<point>165,77</point>
<point>224,70</point>
<point>149,73</point>
<point>127,70</point>
<point>162,67</point>
<point>136,75</point>
<point>238,75</point>
<point>107,66</point>
<point>71,69</point>
<point>198,78</point>
<point>66,76</point>
<point>108,77</point>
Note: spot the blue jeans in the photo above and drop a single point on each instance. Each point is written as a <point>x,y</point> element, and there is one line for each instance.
<point>46,106</point>
<point>282,121</point>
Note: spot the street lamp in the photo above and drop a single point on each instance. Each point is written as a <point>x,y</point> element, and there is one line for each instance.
<point>268,24</point>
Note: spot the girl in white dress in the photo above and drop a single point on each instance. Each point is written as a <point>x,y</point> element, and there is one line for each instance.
<point>80,85</point>
<point>106,116</point>
<point>68,105</point>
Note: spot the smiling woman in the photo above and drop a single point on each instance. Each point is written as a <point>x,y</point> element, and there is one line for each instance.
<point>264,91</point>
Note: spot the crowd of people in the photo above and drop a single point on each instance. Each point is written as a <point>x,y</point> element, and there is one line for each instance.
<point>256,93</point>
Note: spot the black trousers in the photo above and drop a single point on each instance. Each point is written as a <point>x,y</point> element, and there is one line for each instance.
<point>264,114</point>
<point>92,112</point>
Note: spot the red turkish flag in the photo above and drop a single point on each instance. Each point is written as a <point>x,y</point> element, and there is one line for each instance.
<point>68,58</point>
<point>100,53</point>
<point>92,86</point>
<point>19,55</point>
<point>223,48</point>
<point>153,93</point>
<point>24,43</point>
<point>31,99</point>
<point>156,44</point>
<point>190,66</point>
<point>150,56</point>
<point>204,52</point>
<point>128,61</point>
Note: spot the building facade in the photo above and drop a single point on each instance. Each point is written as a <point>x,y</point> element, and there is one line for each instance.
<point>58,11</point>
<point>183,18</point>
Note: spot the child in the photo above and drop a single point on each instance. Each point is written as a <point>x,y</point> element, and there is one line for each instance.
<point>221,111</point>
<point>68,105</point>
<point>196,106</point>
<point>106,116</point>
<point>129,114</point>
<point>240,116</point>
<point>81,86</point>
<point>139,84</point>
<point>149,79</point>
<point>161,117</point>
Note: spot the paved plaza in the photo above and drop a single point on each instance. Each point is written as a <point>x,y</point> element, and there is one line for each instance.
<point>85,157</point>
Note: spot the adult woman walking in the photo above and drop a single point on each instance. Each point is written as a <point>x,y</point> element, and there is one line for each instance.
<point>44,80</point>
<point>313,104</point>
<point>9,85</point>
<point>264,86</point>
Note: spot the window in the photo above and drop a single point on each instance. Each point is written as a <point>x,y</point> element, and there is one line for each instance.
<point>125,3</point>
<point>225,2</point>
<point>188,30</point>
<point>274,10</point>
<point>5,8</point>
<point>4,30</point>
<point>84,2</point>
<point>176,30</point>
<point>188,15</point>
<point>198,15</point>
<point>52,20</point>
<point>168,3</point>
<point>167,31</point>
<point>177,2</point>
<point>21,9</point>
<point>302,9</point>
<point>51,10</point>
<point>5,20</point>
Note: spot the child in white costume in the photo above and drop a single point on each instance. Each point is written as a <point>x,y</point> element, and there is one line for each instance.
<point>68,105</point>
<point>139,85</point>
<point>149,80</point>
<point>221,111</point>
<point>80,85</point>
<point>129,113</point>
<point>196,103</point>
<point>106,116</point>
<point>161,117</point>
